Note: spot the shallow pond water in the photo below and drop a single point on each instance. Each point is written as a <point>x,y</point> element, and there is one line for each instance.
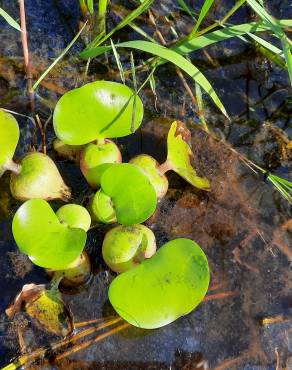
<point>243,224</point>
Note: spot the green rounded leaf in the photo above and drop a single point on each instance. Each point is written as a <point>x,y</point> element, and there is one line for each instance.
<point>100,109</point>
<point>9,136</point>
<point>75,216</point>
<point>134,198</point>
<point>179,155</point>
<point>161,289</point>
<point>40,235</point>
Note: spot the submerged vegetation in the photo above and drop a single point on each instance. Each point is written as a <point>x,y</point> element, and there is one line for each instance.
<point>154,286</point>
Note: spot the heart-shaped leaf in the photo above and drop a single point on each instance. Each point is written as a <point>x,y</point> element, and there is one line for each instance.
<point>47,242</point>
<point>9,136</point>
<point>133,197</point>
<point>161,289</point>
<point>100,109</point>
<point>179,155</point>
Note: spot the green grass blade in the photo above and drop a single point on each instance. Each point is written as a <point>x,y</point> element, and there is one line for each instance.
<point>118,61</point>
<point>10,20</point>
<point>266,17</point>
<point>64,52</point>
<point>102,9</point>
<point>129,18</point>
<point>204,11</point>
<point>135,90</point>
<point>90,6</point>
<point>170,56</point>
<point>266,44</point>
<point>223,34</point>
<point>278,31</point>
<point>200,102</point>
<point>288,56</point>
<point>185,7</point>
<point>283,186</point>
<point>141,32</point>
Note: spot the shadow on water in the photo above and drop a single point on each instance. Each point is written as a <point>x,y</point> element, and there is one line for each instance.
<point>242,224</point>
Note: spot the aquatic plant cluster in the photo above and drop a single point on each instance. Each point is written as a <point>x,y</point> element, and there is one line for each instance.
<point>85,121</point>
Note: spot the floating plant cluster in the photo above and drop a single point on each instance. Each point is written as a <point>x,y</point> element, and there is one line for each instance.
<point>152,288</point>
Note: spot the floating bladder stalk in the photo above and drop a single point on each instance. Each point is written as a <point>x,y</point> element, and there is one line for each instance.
<point>38,177</point>
<point>124,247</point>
<point>96,157</point>
<point>153,171</point>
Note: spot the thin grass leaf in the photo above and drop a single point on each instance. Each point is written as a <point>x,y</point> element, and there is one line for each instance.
<point>288,56</point>
<point>102,9</point>
<point>276,59</point>
<point>267,45</point>
<point>141,32</point>
<point>152,83</point>
<point>149,78</point>
<point>64,52</point>
<point>10,20</point>
<point>278,31</point>
<point>221,35</point>
<point>185,7</point>
<point>201,107</point>
<point>90,6</point>
<point>135,91</point>
<point>266,17</point>
<point>129,18</point>
<point>200,42</point>
<point>118,61</point>
<point>169,55</point>
<point>282,185</point>
<point>204,11</point>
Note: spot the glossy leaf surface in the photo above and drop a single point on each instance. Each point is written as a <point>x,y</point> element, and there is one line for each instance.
<point>133,197</point>
<point>100,109</point>
<point>47,242</point>
<point>161,289</point>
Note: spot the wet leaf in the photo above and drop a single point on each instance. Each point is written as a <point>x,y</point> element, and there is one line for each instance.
<point>46,306</point>
<point>100,109</point>
<point>40,235</point>
<point>9,136</point>
<point>179,155</point>
<point>75,216</point>
<point>161,289</point>
<point>133,197</point>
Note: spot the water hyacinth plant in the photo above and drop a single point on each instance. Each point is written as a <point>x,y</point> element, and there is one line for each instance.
<point>128,195</point>
<point>50,240</point>
<point>152,283</point>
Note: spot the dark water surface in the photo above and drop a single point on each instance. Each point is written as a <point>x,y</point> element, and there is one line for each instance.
<point>242,224</point>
